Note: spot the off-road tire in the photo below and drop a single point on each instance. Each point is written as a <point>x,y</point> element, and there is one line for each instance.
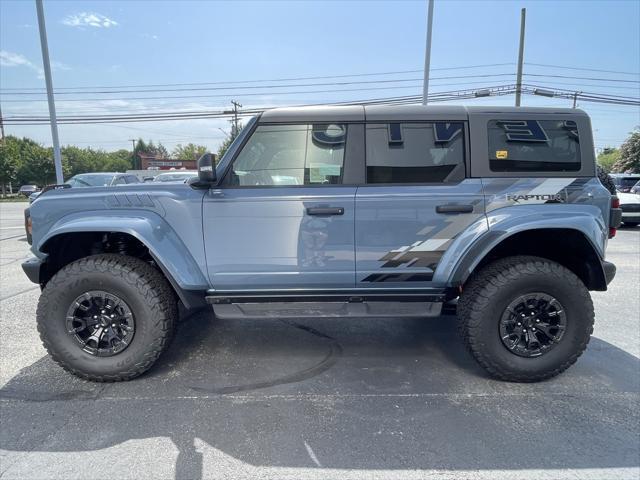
<point>485,297</point>
<point>141,286</point>
<point>606,180</point>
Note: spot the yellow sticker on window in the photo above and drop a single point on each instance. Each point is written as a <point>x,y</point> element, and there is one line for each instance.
<point>501,154</point>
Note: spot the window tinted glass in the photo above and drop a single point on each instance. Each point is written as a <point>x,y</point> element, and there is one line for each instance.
<point>119,181</point>
<point>533,145</point>
<point>291,155</point>
<point>90,180</point>
<point>415,152</point>
<point>132,179</point>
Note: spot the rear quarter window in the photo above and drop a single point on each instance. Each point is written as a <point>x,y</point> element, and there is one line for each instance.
<point>533,146</point>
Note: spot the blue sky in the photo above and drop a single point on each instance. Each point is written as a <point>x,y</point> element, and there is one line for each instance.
<point>110,44</point>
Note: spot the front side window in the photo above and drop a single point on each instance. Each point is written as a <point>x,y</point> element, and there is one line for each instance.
<point>287,155</point>
<point>533,145</point>
<point>415,152</point>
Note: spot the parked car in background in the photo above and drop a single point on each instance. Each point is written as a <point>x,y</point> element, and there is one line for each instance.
<point>101,179</point>
<point>630,205</point>
<point>176,176</point>
<point>636,189</point>
<point>98,179</point>
<point>625,181</point>
<point>27,190</point>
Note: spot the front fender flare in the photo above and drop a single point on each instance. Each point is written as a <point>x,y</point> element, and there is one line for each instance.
<point>164,244</point>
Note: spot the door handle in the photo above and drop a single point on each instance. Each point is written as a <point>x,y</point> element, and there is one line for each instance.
<point>325,211</point>
<point>454,209</point>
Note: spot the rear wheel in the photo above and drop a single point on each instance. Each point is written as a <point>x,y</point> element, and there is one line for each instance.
<point>107,317</point>
<point>525,319</point>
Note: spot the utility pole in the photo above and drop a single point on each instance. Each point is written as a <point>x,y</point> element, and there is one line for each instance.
<point>427,52</point>
<point>575,99</point>
<point>1,125</point>
<point>234,130</point>
<point>523,16</point>
<point>133,153</point>
<point>57,159</point>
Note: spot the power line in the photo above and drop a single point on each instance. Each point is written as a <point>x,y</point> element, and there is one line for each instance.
<point>253,87</point>
<point>325,77</point>
<point>581,68</point>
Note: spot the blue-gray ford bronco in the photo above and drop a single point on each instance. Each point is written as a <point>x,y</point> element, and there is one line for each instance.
<point>345,211</point>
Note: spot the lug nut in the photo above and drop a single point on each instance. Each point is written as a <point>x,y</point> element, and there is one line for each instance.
<point>537,320</point>
<point>519,323</point>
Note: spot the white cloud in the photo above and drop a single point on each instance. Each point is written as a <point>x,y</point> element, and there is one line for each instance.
<point>12,59</point>
<point>89,19</point>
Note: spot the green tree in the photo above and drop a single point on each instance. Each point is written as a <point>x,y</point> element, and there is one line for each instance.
<point>607,158</point>
<point>9,154</point>
<point>629,161</point>
<point>190,151</point>
<point>37,164</point>
<point>118,161</point>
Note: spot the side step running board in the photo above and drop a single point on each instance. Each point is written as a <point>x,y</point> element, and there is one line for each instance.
<point>256,305</point>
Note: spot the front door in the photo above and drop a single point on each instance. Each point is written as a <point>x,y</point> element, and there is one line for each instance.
<point>415,203</point>
<point>282,218</point>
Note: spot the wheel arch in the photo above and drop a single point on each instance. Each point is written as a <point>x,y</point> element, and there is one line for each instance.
<point>569,247</point>
<point>69,244</point>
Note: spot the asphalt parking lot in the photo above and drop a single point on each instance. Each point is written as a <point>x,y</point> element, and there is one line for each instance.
<point>319,399</point>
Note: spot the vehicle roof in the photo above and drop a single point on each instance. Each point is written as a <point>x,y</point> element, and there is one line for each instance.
<point>99,173</point>
<point>356,113</point>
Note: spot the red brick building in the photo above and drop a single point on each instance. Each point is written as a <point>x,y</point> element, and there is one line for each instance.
<point>156,162</point>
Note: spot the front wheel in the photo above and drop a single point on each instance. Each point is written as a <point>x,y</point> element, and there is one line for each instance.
<point>525,319</point>
<point>106,317</point>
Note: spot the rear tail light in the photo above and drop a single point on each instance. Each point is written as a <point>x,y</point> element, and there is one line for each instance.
<point>615,216</point>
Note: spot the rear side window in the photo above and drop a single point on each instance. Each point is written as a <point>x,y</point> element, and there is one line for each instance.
<point>415,152</point>
<point>533,145</point>
<point>287,155</point>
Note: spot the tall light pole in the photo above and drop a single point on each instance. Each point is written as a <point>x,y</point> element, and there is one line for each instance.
<point>523,17</point>
<point>133,153</point>
<point>427,53</point>
<point>57,159</point>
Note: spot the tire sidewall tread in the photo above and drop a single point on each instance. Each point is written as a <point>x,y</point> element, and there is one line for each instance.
<point>142,287</point>
<point>486,295</point>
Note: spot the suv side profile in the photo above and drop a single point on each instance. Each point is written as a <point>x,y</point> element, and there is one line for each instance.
<point>351,211</point>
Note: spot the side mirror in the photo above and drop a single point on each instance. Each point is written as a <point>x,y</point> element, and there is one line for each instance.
<point>206,172</point>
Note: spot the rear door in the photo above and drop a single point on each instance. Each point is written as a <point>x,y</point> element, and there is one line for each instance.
<point>283,218</point>
<point>415,203</point>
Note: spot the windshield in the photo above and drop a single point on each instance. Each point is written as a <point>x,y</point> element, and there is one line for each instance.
<point>627,181</point>
<point>174,177</point>
<point>89,180</point>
